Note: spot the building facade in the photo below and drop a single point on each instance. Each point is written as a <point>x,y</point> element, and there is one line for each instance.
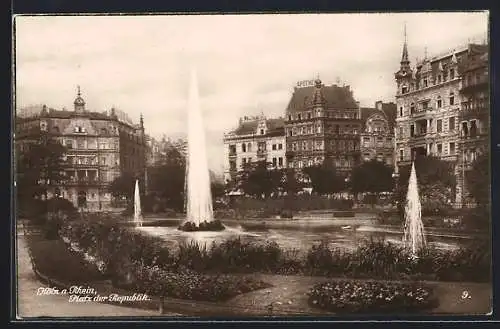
<point>255,139</point>
<point>428,101</point>
<point>322,124</point>
<point>474,116</point>
<point>99,148</point>
<point>377,136</point>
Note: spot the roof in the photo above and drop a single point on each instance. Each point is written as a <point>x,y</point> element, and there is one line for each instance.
<point>274,126</point>
<point>388,111</point>
<point>335,97</point>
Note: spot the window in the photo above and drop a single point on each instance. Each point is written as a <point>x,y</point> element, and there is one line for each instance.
<point>318,129</point>
<point>304,145</point>
<point>439,78</point>
<point>232,149</point>
<point>309,115</point>
<point>412,108</point>
<point>262,131</point>
<point>81,144</point>
<point>452,74</point>
<point>69,144</point>
<point>401,111</point>
<point>439,103</point>
<point>244,161</point>
<point>280,161</point>
<point>401,132</point>
<point>451,124</point>
<point>274,147</point>
<point>465,129</point>
<point>299,117</point>
<point>439,126</point>
<point>404,89</point>
<point>274,162</point>
<point>425,83</point>
<point>243,147</point>
<point>289,118</point>
<point>103,160</point>
<point>249,147</point>
<point>452,99</point>
<point>452,148</point>
<point>290,132</point>
<point>473,128</point>
<point>439,148</point>
<point>280,146</point>
<point>425,105</point>
<point>412,130</point>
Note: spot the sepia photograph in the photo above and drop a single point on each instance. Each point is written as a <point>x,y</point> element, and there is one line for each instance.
<point>252,165</point>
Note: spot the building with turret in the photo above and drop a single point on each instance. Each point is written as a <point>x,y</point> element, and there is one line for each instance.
<point>100,146</point>
<point>322,124</point>
<point>429,102</point>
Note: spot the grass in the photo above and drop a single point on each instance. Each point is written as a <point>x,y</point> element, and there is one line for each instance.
<point>53,259</point>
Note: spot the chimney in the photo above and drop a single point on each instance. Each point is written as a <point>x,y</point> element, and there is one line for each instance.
<point>378,105</point>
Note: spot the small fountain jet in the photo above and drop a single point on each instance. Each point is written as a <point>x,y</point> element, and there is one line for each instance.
<point>138,219</point>
<point>414,236</point>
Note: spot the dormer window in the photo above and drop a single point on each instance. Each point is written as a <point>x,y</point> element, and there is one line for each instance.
<point>404,89</point>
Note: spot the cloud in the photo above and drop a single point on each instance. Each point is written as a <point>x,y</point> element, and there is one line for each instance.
<point>246,63</point>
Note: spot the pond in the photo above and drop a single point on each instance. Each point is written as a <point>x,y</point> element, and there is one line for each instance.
<point>302,234</point>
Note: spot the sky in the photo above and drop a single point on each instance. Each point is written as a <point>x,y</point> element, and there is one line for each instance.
<point>246,64</point>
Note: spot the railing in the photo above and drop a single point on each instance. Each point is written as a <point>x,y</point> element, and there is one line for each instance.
<point>261,152</point>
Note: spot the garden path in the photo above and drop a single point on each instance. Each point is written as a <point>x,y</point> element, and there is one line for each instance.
<point>29,305</point>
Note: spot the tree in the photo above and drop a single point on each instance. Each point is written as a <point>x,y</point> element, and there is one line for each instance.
<point>123,186</point>
<point>325,179</point>
<point>372,177</point>
<point>40,169</point>
<point>258,180</point>
<point>436,182</point>
<point>478,180</point>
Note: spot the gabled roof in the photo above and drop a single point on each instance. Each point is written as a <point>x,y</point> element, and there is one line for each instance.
<point>388,111</point>
<point>335,97</point>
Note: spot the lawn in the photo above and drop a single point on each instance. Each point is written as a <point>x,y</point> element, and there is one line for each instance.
<point>54,260</point>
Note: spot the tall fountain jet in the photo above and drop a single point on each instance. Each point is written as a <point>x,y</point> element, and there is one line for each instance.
<point>198,197</point>
<point>137,205</point>
<point>414,236</point>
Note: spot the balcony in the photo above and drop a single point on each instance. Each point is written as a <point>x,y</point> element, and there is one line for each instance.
<point>422,112</point>
<point>85,181</point>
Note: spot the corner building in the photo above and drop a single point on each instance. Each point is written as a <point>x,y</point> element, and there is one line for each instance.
<point>428,101</point>
<point>100,147</point>
<point>323,123</point>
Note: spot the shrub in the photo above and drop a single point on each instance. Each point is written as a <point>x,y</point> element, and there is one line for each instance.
<point>371,297</point>
<point>116,246</point>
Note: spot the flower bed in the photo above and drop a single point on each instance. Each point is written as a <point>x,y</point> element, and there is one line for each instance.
<point>156,281</point>
<point>372,297</point>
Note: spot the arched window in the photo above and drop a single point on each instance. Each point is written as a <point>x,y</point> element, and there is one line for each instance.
<point>249,147</point>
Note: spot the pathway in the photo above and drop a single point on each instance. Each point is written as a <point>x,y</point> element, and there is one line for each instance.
<point>30,305</point>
